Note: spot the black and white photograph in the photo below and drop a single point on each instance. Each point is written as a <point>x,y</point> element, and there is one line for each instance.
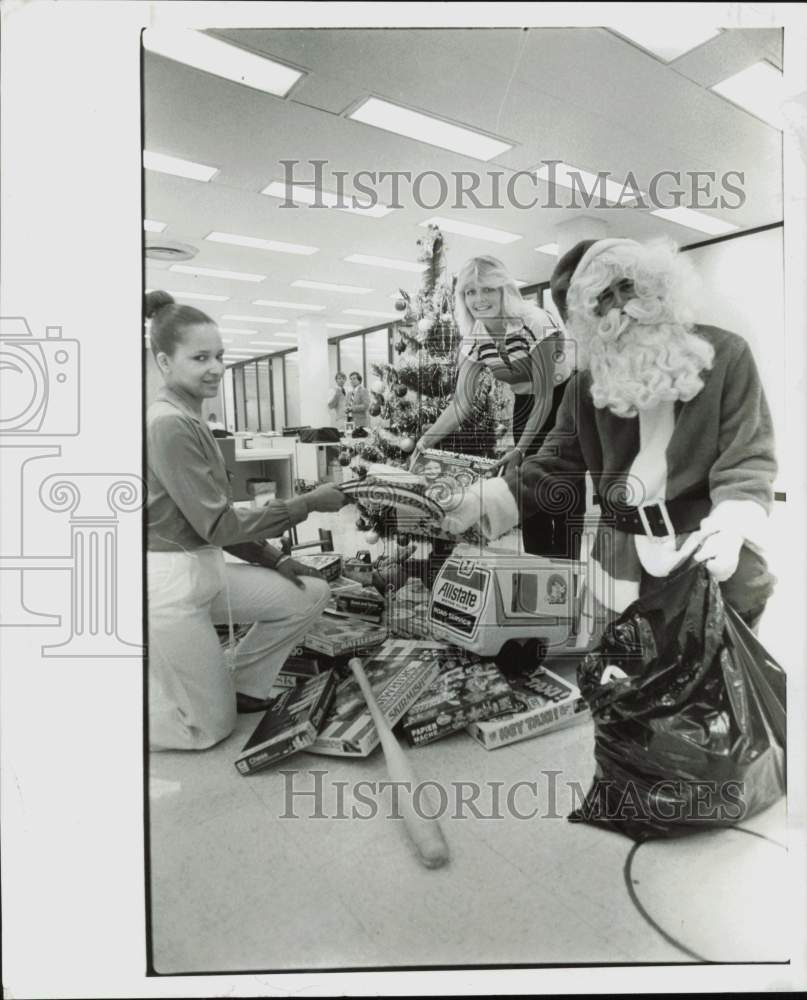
<point>403,453</point>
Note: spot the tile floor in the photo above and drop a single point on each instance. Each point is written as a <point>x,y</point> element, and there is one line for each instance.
<point>235,887</point>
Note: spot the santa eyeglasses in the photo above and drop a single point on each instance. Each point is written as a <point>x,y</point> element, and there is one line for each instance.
<point>615,296</point>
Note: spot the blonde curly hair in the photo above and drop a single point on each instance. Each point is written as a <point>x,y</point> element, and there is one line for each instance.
<point>645,352</point>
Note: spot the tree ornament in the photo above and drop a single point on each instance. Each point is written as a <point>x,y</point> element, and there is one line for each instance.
<point>378,387</point>
<point>344,458</point>
<point>400,346</point>
<point>400,305</point>
<point>375,410</point>
<point>371,537</point>
<point>401,391</point>
<point>407,444</point>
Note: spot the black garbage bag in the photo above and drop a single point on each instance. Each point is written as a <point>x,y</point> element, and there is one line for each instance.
<point>689,712</point>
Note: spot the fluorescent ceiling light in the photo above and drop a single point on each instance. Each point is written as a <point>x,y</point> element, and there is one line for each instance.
<point>153,227</point>
<point>165,164</point>
<point>341,326</point>
<point>209,272</point>
<point>257,319</point>
<point>266,343</point>
<point>202,296</point>
<point>370,312</point>
<point>759,89</point>
<point>666,37</point>
<point>309,196</point>
<point>695,220</point>
<point>225,341</point>
<point>231,329</point>
<point>389,262</point>
<point>585,182</point>
<point>474,231</point>
<point>324,286</point>
<point>300,306</point>
<point>257,244</point>
<point>425,128</point>
<point>193,48</point>
<point>519,283</point>
<point>549,248</point>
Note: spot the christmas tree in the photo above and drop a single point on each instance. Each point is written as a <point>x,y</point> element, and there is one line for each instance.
<point>409,395</point>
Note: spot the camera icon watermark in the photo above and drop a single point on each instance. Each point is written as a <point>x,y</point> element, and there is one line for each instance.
<point>40,399</point>
<point>39,381</point>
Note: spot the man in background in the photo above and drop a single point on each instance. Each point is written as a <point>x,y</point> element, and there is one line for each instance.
<point>358,401</point>
<point>337,401</point>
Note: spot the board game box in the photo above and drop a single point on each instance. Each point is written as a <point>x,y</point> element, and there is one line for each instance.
<point>289,724</point>
<point>296,670</point>
<point>450,471</point>
<point>399,673</point>
<point>547,702</point>
<point>339,637</point>
<point>328,563</point>
<point>467,689</point>
<point>362,602</point>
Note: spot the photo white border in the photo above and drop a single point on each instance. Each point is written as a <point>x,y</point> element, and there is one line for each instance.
<point>72,761</point>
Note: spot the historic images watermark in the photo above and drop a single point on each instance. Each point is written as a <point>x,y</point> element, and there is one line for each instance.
<point>548,185</point>
<point>309,796</point>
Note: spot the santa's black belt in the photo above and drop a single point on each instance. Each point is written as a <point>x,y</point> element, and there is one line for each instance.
<point>659,520</point>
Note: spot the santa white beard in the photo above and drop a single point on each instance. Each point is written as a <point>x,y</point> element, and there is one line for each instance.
<point>637,365</point>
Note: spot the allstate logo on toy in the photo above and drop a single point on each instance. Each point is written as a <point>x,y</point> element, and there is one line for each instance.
<point>459,596</point>
<point>480,604</point>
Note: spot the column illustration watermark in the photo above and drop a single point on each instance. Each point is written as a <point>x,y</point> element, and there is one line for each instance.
<point>40,401</point>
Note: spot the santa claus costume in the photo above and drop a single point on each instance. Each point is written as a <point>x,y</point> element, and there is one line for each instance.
<point>669,418</point>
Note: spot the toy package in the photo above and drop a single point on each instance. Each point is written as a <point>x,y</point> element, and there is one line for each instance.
<point>414,503</point>
<point>399,673</point>
<point>360,602</point>
<point>289,724</point>
<point>549,702</point>
<point>297,669</point>
<point>466,690</point>
<point>337,637</point>
<point>328,563</point>
<point>480,603</point>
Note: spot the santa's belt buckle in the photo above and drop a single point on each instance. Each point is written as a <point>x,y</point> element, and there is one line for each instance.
<point>665,518</point>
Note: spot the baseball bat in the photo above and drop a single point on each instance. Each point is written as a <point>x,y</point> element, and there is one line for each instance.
<point>424,833</point>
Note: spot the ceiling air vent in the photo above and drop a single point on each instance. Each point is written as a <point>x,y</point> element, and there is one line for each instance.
<point>159,249</point>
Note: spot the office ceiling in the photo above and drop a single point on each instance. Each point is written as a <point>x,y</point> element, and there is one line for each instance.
<point>585,96</point>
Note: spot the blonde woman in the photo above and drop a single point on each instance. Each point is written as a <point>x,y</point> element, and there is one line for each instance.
<point>510,340</point>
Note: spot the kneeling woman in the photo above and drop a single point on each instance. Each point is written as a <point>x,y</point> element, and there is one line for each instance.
<point>192,688</point>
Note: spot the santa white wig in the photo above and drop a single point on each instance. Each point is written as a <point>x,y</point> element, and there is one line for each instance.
<point>643,353</point>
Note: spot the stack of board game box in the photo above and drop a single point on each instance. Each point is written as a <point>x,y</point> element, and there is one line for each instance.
<point>399,672</point>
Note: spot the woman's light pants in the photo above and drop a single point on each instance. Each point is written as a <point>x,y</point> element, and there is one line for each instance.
<point>191,684</point>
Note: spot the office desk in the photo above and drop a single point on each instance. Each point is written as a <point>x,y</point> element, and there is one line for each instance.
<point>275,464</point>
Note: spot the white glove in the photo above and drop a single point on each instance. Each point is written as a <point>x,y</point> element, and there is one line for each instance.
<point>721,553</point>
<point>466,512</point>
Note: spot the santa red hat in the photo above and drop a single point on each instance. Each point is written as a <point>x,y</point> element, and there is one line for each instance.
<point>574,262</point>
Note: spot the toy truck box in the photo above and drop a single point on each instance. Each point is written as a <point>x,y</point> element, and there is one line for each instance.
<point>480,603</point>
